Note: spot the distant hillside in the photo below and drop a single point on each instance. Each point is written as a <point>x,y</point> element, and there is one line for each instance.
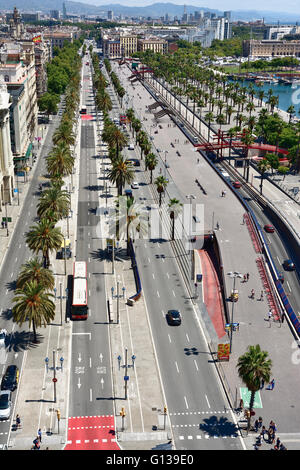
<point>160,9</point>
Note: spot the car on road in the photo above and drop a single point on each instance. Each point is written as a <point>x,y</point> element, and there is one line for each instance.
<point>130,147</point>
<point>135,185</point>
<point>174,317</point>
<point>269,228</point>
<point>288,265</point>
<point>281,277</point>
<point>5,404</point>
<point>2,338</point>
<point>10,379</point>
<point>195,140</point>
<point>237,184</point>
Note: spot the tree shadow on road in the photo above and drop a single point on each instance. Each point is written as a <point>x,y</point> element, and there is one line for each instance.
<point>220,427</point>
<point>23,340</point>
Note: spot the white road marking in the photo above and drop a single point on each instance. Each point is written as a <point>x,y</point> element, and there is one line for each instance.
<point>196,365</point>
<point>177,367</point>
<point>157,293</point>
<point>91,394</point>
<point>186,403</point>
<point>187,337</point>
<point>174,293</point>
<point>207,401</point>
<point>289,287</point>
<point>169,338</point>
<point>167,274</point>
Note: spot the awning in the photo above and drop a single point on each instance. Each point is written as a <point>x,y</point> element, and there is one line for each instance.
<point>28,151</point>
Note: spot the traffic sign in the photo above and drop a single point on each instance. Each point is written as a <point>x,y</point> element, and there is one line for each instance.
<point>126,377</point>
<point>54,379</point>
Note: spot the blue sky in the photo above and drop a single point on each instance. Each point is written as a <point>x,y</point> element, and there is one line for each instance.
<point>288,6</point>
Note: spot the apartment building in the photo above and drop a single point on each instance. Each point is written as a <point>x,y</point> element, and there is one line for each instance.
<point>6,158</point>
<point>17,70</point>
<point>265,48</point>
<point>154,44</point>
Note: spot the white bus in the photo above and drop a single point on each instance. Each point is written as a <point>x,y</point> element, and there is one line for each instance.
<point>79,309</point>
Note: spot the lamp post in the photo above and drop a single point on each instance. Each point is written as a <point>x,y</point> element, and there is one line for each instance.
<point>191,197</point>
<point>166,151</point>
<point>233,275</point>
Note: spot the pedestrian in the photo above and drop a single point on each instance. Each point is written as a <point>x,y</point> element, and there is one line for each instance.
<point>263,432</point>
<point>270,315</point>
<point>261,296</point>
<point>252,294</point>
<point>271,386</point>
<point>247,277</point>
<point>260,421</point>
<point>241,404</point>
<point>217,225</point>
<point>18,421</point>
<point>262,384</point>
<point>278,442</point>
<point>256,425</point>
<point>40,434</point>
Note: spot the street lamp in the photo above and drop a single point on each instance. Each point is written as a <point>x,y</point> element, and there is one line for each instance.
<point>233,275</point>
<point>191,197</point>
<point>166,151</point>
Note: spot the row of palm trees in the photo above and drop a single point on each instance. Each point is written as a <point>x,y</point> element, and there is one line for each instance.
<point>213,97</point>
<point>33,299</point>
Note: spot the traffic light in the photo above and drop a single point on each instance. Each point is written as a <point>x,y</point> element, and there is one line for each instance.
<point>165,410</point>
<point>122,412</point>
<point>58,414</point>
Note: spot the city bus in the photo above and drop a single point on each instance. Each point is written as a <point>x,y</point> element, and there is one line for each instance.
<point>83,110</point>
<point>79,308</point>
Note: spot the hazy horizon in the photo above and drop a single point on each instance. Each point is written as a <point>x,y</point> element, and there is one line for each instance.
<point>290,6</point>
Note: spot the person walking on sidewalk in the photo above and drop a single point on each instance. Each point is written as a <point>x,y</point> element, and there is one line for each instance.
<point>271,385</point>
<point>18,421</point>
<point>40,434</point>
<point>261,296</point>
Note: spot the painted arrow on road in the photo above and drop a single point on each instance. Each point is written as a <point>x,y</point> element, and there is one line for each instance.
<point>79,384</point>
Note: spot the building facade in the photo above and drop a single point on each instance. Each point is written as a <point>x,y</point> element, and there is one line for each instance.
<point>6,158</point>
<point>265,48</point>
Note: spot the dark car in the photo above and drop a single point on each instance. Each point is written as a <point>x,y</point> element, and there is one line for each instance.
<point>288,265</point>
<point>173,317</point>
<point>10,379</point>
<point>269,228</point>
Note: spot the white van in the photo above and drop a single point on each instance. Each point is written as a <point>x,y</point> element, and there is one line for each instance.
<point>130,147</point>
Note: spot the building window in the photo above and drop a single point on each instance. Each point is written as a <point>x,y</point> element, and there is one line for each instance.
<point>6,78</point>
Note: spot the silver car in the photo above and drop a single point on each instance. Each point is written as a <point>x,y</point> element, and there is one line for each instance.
<point>5,404</point>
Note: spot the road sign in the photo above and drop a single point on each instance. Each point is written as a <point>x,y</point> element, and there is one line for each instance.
<point>54,379</point>
<point>6,219</point>
<point>126,377</point>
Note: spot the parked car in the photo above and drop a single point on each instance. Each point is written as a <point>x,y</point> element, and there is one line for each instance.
<point>288,265</point>
<point>135,185</point>
<point>10,379</point>
<point>2,338</point>
<point>269,228</point>
<point>173,317</point>
<point>5,404</point>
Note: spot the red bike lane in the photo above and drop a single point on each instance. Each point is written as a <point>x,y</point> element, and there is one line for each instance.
<point>91,433</point>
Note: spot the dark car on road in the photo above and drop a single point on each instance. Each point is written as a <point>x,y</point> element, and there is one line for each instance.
<point>173,317</point>
<point>288,265</point>
<point>10,379</point>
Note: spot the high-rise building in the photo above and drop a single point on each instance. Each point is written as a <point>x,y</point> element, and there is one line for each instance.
<point>227,14</point>
<point>55,14</point>
<point>64,11</point>
<point>110,15</point>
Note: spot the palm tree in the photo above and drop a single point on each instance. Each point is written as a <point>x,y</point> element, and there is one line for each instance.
<point>151,162</point>
<point>161,184</point>
<point>33,270</point>
<point>253,367</point>
<point>174,210</point>
<point>32,303</point>
<point>209,117</point>
<point>44,237</point>
<point>54,200</point>
<point>64,134</point>
<point>263,166</point>
<point>291,111</point>
<point>247,139</point>
<point>60,161</point>
<point>121,172</point>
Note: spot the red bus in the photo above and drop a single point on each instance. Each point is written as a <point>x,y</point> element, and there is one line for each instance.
<point>79,309</point>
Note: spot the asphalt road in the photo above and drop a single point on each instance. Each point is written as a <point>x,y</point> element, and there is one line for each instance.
<point>90,384</point>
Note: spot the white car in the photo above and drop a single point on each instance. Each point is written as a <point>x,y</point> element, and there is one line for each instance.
<point>5,404</point>
<point>2,338</point>
<point>135,185</point>
<point>130,147</point>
